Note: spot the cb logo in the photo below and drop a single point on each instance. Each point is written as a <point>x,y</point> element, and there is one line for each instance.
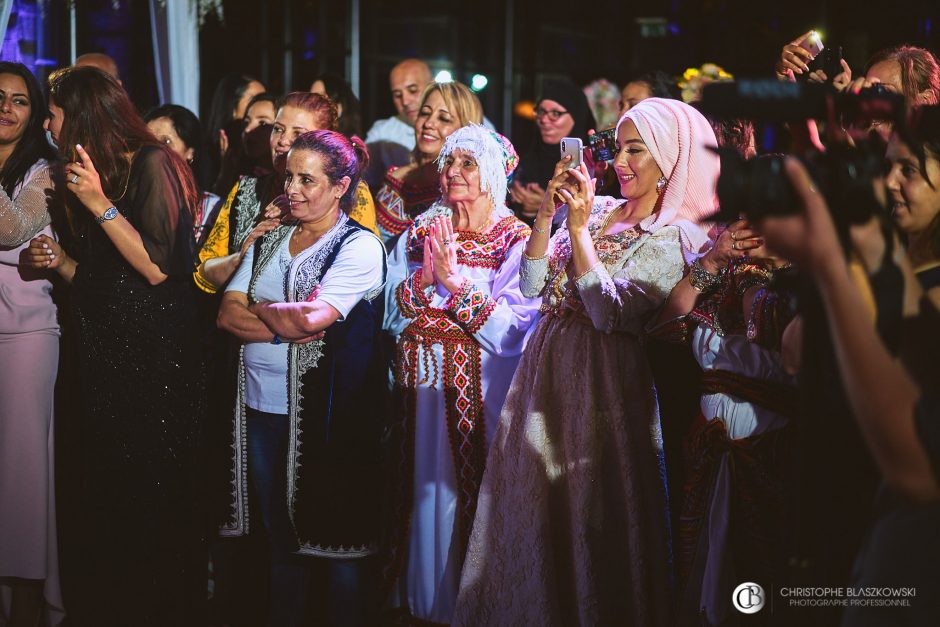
<point>748,598</point>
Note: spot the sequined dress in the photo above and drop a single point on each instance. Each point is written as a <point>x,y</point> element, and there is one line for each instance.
<point>571,525</point>
<point>142,405</point>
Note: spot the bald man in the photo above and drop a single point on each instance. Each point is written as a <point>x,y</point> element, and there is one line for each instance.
<point>391,140</point>
<point>101,61</point>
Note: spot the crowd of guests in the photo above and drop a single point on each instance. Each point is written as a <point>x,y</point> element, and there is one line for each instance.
<point>449,382</point>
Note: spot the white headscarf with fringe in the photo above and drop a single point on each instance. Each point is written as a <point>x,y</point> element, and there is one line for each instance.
<point>679,139</point>
<point>491,157</point>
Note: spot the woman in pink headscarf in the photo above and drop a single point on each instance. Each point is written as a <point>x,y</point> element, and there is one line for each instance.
<point>571,525</point>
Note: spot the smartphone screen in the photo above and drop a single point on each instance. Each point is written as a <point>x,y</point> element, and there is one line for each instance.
<point>572,146</point>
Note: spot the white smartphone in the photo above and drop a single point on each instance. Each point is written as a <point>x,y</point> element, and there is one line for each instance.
<point>812,44</point>
<point>572,146</point>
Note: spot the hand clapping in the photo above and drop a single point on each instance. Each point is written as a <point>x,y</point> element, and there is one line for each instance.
<point>440,255</point>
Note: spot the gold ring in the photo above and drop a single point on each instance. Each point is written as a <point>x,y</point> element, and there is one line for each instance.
<point>734,236</point>
<point>734,245</point>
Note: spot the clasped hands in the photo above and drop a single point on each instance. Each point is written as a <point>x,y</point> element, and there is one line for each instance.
<point>439,264</point>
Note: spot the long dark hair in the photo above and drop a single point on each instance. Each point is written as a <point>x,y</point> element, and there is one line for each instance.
<point>98,114</point>
<point>923,138</point>
<point>225,98</point>
<point>342,156</point>
<point>32,146</point>
<point>339,91</point>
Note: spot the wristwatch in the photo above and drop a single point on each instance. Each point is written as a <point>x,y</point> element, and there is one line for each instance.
<point>109,214</point>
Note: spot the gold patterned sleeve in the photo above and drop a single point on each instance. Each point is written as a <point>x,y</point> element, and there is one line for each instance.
<point>363,209</point>
<point>216,244</point>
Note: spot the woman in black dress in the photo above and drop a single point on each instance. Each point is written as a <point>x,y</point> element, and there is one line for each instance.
<point>130,202</point>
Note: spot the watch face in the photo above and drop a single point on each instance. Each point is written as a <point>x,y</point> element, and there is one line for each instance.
<point>109,214</point>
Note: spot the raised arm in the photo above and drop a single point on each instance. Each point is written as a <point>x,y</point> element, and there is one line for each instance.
<point>883,395</point>
<point>406,291</point>
<point>84,181</point>
<point>499,319</point>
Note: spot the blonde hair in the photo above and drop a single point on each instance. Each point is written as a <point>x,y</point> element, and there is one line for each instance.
<point>461,102</point>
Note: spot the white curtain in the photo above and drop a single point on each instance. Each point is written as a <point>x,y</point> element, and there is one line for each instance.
<point>175,27</point>
<point>5,6</point>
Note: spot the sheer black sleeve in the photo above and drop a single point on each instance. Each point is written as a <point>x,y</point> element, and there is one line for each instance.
<point>158,211</point>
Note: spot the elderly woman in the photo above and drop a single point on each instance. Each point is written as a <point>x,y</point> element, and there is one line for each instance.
<point>255,204</point>
<point>571,527</point>
<point>454,302</point>
<point>306,427</point>
<point>409,190</point>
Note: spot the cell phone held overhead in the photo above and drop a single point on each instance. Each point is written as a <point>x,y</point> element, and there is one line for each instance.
<point>572,147</point>
<point>812,43</point>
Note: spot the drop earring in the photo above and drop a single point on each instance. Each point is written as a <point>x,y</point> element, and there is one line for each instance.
<point>660,184</point>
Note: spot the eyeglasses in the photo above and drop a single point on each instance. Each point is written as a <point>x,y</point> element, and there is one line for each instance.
<point>552,114</point>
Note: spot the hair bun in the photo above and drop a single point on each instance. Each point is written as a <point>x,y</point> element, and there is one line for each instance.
<point>362,152</point>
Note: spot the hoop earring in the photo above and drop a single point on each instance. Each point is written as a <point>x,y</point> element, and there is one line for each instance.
<point>661,184</point>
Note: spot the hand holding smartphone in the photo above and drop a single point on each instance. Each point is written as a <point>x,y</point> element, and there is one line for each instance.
<point>812,43</point>
<point>572,147</point>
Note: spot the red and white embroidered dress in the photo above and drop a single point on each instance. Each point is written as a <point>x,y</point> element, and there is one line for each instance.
<point>456,355</point>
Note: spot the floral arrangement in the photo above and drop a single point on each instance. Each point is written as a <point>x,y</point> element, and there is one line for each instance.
<point>694,79</point>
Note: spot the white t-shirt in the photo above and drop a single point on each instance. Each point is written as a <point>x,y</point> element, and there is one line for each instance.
<point>392,130</point>
<point>356,271</point>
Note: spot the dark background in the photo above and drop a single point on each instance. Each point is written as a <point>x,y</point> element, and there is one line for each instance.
<point>587,40</point>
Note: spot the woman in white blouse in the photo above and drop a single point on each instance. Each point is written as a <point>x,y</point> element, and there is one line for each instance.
<point>308,409</point>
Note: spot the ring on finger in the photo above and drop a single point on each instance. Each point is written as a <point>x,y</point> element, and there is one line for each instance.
<point>445,241</point>
<point>734,236</point>
<point>74,179</point>
<point>734,245</point>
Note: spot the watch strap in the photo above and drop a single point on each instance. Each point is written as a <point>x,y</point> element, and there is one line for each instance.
<point>109,214</point>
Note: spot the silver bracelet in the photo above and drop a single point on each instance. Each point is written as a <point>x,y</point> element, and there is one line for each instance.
<point>538,230</point>
<point>701,279</point>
